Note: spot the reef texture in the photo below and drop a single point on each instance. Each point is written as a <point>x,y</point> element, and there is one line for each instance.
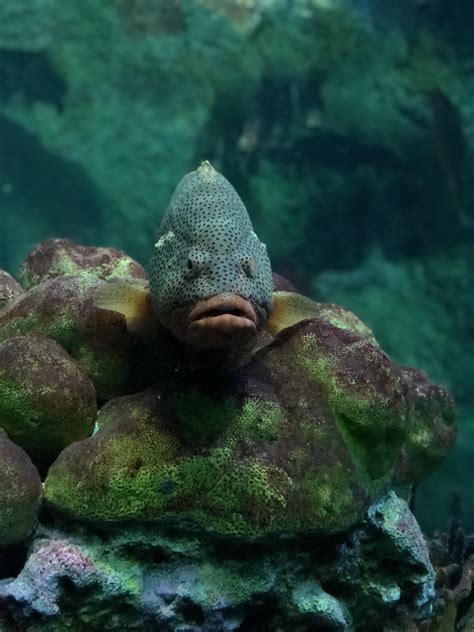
<point>9,288</point>
<point>141,577</point>
<point>46,401</point>
<point>20,493</point>
<point>421,312</point>
<point>232,493</point>
<point>302,438</point>
<point>61,257</point>
<point>63,309</point>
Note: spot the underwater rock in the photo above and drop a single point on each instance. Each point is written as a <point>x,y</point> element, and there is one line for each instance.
<point>61,257</point>
<point>20,493</point>
<point>399,568</point>
<point>161,579</point>
<point>419,309</point>
<point>46,401</point>
<point>63,309</point>
<point>430,429</point>
<point>9,288</point>
<point>173,451</point>
<point>281,284</point>
<point>303,438</point>
<point>49,563</point>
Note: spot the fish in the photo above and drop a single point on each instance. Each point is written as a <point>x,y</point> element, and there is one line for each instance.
<point>210,276</point>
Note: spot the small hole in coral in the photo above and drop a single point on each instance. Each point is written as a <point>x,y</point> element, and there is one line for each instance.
<point>192,612</point>
<point>12,561</point>
<point>260,619</point>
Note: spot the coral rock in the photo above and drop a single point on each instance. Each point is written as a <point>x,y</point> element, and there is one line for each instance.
<point>46,401</point>
<point>431,427</point>
<point>20,493</point>
<point>281,284</point>
<point>140,576</point>
<point>9,288</point>
<point>303,438</point>
<point>63,309</point>
<point>60,257</point>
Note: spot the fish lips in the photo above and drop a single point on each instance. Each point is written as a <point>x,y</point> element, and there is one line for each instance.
<point>221,321</point>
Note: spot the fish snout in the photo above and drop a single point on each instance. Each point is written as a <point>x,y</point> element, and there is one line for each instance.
<point>221,321</point>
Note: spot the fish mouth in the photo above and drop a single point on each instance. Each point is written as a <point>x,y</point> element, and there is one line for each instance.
<point>224,320</point>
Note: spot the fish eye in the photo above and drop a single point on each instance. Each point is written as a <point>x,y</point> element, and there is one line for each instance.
<point>248,266</point>
<point>194,267</point>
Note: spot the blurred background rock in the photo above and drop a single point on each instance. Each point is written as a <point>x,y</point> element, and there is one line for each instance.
<point>346,126</point>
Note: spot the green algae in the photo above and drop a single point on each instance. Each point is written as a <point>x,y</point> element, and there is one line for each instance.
<point>261,420</point>
<point>20,493</point>
<point>146,473</point>
<point>56,317</point>
<point>27,415</point>
<point>371,426</point>
<point>19,413</point>
<point>46,401</point>
<point>209,420</point>
<point>343,319</point>
<point>108,369</point>
<point>203,419</point>
<point>63,309</point>
<point>329,498</point>
<point>62,329</point>
<point>143,474</point>
<point>226,483</point>
<point>248,464</point>
<point>215,491</point>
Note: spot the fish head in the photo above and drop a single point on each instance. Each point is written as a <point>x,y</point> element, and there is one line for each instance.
<point>210,276</point>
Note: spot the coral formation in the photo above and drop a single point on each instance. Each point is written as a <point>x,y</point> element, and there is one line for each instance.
<point>9,288</point>
<point>62,257</point>
<point>62,308</point>
<point>430,298</point>
<point>430,427</point>
<point>20,493</point>
<point>46,400</point>
<point>237,453</point>
<point>288,451</point>
<point>187,580</point>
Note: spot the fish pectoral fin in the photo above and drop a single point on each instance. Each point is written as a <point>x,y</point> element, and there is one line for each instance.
<point>289,308</point>
<point>132,302</point>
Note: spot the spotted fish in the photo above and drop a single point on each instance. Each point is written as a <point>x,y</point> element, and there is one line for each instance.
<point>210,276</point>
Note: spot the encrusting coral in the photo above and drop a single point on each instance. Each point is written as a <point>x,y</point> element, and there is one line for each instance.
<point>60,305</point>
<point>172,580</point>
<point>46,400</point>
<point>303,436</point>
<point>61,257</point>
<point>20,493</point>
<point>9,288</point>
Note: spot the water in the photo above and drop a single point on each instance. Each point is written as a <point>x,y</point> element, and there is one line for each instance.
<point>347,128</point>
